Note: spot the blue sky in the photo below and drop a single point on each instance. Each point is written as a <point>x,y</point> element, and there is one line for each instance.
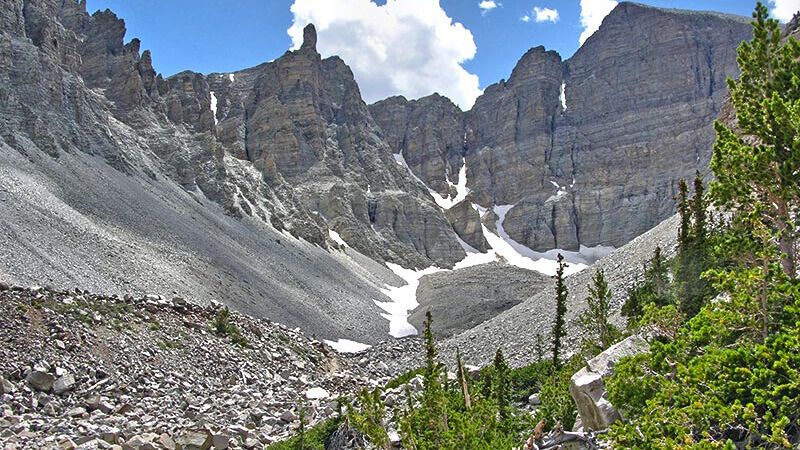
<point>410,47</point>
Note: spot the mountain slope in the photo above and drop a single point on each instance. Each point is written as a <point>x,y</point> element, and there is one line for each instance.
<point>589,150</point>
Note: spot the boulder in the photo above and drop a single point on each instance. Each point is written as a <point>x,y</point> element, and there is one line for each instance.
<point>6,387</point>
<point>64,384</point>
<point>40,380</point>
<point>199,439</point>
<point>587,386</point>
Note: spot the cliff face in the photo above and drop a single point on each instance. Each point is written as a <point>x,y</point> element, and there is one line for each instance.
<point>229,185</point>
<point>217,187</point>
<point>589,150</point>
<point>299,120</point>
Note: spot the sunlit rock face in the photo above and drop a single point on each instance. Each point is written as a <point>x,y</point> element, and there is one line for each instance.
<point>589,150</point>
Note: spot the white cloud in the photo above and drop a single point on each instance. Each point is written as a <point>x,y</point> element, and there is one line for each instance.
<point>405,47</point>
<point>487,5</point>
<point>525,18</point>
<point>592,14</point>
<point>784,10</point>
<point>544,14</point>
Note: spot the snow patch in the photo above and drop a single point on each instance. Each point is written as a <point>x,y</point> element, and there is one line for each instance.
<point>564,96</point>
<point>230,77</point>
<point>214,106</point>
<point>585,255</point>
<point>347,346</point>
<point>461,189</point>
<point>520,255</point>
<point>317,393</point>
<point>336,238</point>
<point>404,299</point>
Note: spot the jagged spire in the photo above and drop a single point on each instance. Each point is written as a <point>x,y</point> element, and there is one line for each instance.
<point>309,37</point>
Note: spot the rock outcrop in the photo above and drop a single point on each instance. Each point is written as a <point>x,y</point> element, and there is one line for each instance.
<point>588,150</point>
<point>80,370</point>
<point>227,186</point>
<point>301,119</point>
<point>587,386</point>
<point>464,298</point>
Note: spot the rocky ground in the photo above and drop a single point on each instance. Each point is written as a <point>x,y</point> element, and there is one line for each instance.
<point>464,298</point>
<point>515,329</point>
<point>86,371</point>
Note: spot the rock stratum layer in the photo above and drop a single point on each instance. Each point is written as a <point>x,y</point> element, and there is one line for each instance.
<point>589,150</point>
<point>241,186</point>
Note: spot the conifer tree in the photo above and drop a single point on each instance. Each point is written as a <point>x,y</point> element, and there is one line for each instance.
<point>757,165</point>
<point>561,310</point>
<point>433,395</point>
<point>502,388</point>
<point>684,213</point>
<point>658,275</point>
<point>699,207</point>
<point>595,319</point>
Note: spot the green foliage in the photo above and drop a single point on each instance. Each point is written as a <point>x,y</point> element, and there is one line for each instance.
<point>695,254</point>
<point>403,378</point>
<point>223,326</point>
<point>313,438</point>
<point>729,377</point>
<point>561,310</point>
<point>757,166</point>
<point>369,417</point>
<point>529,379</point>
<point>654,289</point>
<point>440,418</point>
<point>661,322</point>
<point>595,320</point>
<point>502,386</point>
<point>557,404</point>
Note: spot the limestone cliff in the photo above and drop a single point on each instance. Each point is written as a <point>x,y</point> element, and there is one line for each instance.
<point>589,150</point>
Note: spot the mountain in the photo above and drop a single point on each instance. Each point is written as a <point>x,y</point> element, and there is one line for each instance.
<point>588,150</point>
<point>278,191</point>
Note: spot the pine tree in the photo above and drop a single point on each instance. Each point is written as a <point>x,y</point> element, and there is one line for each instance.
<point>684,213</point>
<point>658,275</point>
<point>699,207</point>
<point>502,389</point>
<point>433,395</point>
<point>694,255</point>
<point>595,319</point>
<point>561,310</point>
<point>757,165</point>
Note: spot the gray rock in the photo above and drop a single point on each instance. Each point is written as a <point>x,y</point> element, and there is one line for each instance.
<point>288,416</point>
<point>220,441</point>
<point>200,439</point>
<point>604,169</point>
<point>6,387</point>
<point>534,400</point>
<point>40,380</point>
<point>465,298</point>
<point>76,412</point>
<point>467,224</point>
<point>64,384</point>
<point>587,386</point>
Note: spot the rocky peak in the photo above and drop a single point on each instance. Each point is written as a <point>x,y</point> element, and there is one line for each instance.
<point>309,38</point>
<point>535,62</point>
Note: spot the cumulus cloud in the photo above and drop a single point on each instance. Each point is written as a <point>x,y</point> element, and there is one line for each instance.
<point>488,5</point>
<point>405,47</point>
<point>542,15</point>
<point>592,14</point>
<point>784,10</point>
